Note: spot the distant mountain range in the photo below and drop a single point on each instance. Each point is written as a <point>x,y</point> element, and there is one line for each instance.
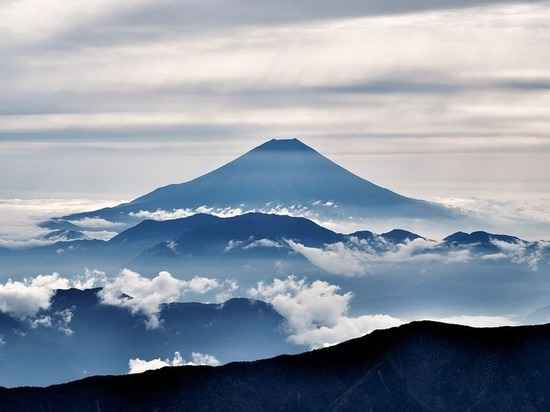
<point>421,366</point>
<point>279,173</point>
<point>78,336</point>
<point>206,241</point>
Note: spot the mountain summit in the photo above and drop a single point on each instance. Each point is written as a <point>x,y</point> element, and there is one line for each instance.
<point>279,173</point>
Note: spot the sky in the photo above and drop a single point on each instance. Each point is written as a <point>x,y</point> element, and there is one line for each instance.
<point>445,100</point>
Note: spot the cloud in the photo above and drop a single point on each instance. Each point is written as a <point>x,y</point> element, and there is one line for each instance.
<point>96,223</point>
<point>25,244</point>
<point>251,244</point>
<point>268,243</point>
<point>29,299</point>
<point>59,320</point>
<point>24,299</point>
<point>90,279</point>
<point>19,219</point>
<point>223,212</point>
<point>197,359</point>
<point>356,258</point>
<point>528,214</point>
<point>146,295</point>
<point>520,252</point>
<point>478,321</point>
<point>99,234</point>
<point>317,313</point>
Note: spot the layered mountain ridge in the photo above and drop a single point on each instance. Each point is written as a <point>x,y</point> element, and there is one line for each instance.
<point>80,335</point>
<point>421,366</point>
<point>207,239</point>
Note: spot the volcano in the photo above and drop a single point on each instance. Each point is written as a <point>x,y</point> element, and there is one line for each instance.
<point>283,173</point>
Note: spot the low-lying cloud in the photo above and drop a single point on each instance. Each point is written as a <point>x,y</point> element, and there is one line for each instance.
<point>25,298</point>
<point>91,223</point>
<point>520,252</point>
<point>19,219</point>
<point>357,258</point>
<point>317,313</point>
<point>296,210</point>
<point>28,299</point>
<point>138,365</point>
<point>145,295</point>
<point>59,320</point>
<point>478,321</point>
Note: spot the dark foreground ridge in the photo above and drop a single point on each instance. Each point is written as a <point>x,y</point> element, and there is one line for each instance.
<point>422,366</point>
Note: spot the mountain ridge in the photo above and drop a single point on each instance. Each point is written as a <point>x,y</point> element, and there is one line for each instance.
<point>421,366</point>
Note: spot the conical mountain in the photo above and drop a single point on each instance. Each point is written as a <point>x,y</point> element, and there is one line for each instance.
<point>283,172</point>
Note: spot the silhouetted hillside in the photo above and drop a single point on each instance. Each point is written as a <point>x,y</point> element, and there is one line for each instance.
<point>422,366</point>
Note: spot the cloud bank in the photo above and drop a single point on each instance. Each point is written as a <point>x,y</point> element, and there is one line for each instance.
<point>145,295</point>
<point>317,313</point>
<point>138,365</point>
<point>23,299</point>
<point>357,257</point>
<point>28,298</point>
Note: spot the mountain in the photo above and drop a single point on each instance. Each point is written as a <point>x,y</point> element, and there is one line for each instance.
<point>64,235</point>
<point>80,336</point>
<point>251,242</point>
<point>421,366</point>
<point>480,241</point>
<point>279,173</point>
<point>207,234</point>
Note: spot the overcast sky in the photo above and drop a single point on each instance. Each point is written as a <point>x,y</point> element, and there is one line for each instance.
<point>108,99</point>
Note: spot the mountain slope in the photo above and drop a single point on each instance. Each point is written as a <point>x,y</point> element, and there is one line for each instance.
<point>82,336</point>
<point>422,366</point>
<point>203,233</point>
<point>279,172</point>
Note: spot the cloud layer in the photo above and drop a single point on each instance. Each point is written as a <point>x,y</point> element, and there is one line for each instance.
<point>359,257</point>
<point>138,365</point>
<point>146,295</point>
<point>23,299</point>
<point>317,313</point>
<point>28,298</point>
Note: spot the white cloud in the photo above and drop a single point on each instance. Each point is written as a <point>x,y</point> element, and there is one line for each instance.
<point>146,295</point>
<point>477,321</point>
<point>90,279</point>
<point>138,365</point>
<point>357,258</point>
<point>25,244</point>
<point>26,298</point>
<point>60,320</point>
<point>520,252</point>
<point>19,218</point>
<point>96,223</point>
<point>268,243</point>
<point>335,258</point>
<point>251,244</point>
<point>317,314</point>
<point>232,244</point>
<point>99,234</point>
<point>269,208</point>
